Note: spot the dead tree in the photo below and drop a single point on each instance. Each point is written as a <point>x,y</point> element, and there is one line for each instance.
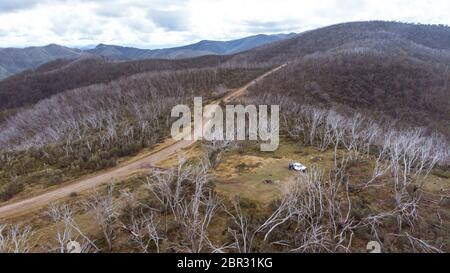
<point>106,212</point>
<point>317,211</point>
<point>144,230</point>
<point>336,124</point>
<point>15,239</point>
<point>354,136</point>
<point>382,165</point>
<point>373,222</point>
<point>419,245</point>
<point>171,187</point>
<point>313,118</point>
<point>412,155</point>
<point>67,230</point>
<point>143,224</point>
<point>186,194</point>
<point>196,213</point>
<point>213,151</point>
<point>243,237</point>
<point>195,217</point>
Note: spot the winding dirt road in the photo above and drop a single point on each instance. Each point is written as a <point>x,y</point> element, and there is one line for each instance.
<point>37,202</point>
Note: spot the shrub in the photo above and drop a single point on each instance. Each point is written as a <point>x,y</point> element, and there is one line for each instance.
<point>10,190</point>
<point>55,177</point>
<point>73,194</point>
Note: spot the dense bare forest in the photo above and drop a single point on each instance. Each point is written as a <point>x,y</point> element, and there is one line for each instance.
<point>409,91</point>
<point>58,76</point>
<point>90,128</point>
<point>382,68</point>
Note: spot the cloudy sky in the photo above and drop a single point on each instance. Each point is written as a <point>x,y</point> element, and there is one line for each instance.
<point>163,23</point>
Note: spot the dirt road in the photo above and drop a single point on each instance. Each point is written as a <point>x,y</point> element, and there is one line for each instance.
<point>36,202</point>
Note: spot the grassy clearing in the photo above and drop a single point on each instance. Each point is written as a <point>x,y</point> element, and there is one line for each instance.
<point>260,176</point>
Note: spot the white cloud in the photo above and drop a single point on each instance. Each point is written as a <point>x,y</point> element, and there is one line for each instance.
<point>160,23</point>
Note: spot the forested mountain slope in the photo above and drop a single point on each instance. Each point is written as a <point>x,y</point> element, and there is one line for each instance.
<point>385,69</point>
<point>29,87</point>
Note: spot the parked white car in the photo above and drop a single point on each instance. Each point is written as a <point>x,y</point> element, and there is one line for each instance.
<point>297,167</point>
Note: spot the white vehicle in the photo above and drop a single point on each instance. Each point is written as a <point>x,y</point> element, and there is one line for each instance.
<point>297,167</point>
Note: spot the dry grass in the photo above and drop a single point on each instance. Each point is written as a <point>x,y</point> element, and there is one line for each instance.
<point>259,176</point>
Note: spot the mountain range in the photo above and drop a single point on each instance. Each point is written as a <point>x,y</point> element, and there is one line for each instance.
<point>15,60</point>
<point>205,47</point>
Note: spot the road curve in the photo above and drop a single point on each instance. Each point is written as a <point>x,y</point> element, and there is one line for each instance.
<point>36,202</point>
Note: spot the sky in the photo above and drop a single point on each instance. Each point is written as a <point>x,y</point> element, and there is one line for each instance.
<point>167,23</point>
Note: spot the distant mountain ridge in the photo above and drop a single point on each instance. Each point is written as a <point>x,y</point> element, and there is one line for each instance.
<point>205,47</point>
<point>16,60</point>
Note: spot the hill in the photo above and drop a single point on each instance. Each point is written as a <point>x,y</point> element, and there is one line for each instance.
<point>55,77</point>
<point>385,69</point>
<point>348,35</point>
<point>15,60</point>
